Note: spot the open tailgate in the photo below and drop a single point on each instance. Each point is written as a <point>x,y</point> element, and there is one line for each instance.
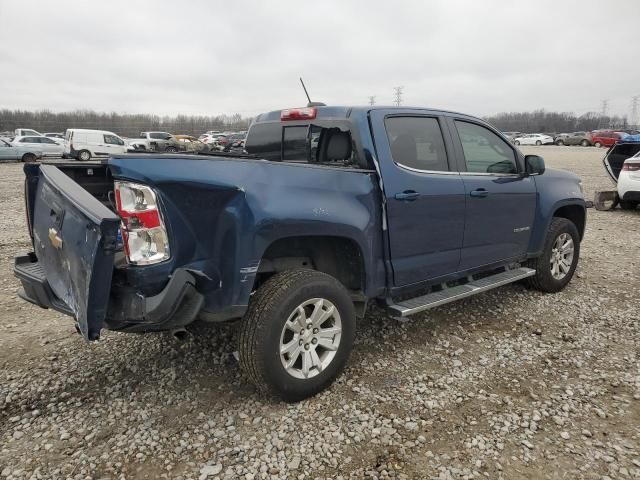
<point>74,239</point>
<point>616,156</point>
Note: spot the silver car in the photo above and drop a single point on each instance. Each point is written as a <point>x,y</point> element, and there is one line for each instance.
<point>48,146</point>
<point>22,153</point>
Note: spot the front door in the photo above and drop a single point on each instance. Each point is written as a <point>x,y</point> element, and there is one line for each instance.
<point>425,198</point>
<point>501,202</point>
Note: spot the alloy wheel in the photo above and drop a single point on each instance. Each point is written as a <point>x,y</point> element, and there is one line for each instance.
<point>310,338</point>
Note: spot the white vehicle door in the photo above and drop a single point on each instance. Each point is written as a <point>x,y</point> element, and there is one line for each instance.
<point>113,144</point>
<point>50,146</point>
<point>7,152</point>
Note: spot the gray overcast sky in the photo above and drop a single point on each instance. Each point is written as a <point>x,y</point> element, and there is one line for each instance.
<point>199,57</point>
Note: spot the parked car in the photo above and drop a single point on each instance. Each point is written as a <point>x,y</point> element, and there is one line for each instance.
<point>26,132</point>
<point>54,135</point>
<point>48,146</point>
<point>83,144</point>
<point>606,138</point>
<point>235,141</point>
<point>622,163</point>
<point>192,144</point>
<point>155,142</point>
<point>578,138</point>
<point>559,138</point>
<point>533,139</point>
<point>512,135</point>
<point>295,252</point>
<point>24,153</point>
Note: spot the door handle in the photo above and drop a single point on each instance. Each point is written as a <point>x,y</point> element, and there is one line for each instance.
<point>407,195</point>
<point>480,193</point>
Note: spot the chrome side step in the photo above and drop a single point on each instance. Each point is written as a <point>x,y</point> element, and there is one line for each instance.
<point>435,299</point>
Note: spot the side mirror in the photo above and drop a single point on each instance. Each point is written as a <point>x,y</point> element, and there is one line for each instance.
<point>534,164</point>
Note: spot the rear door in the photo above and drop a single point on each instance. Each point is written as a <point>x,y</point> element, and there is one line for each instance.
<point>501,203</point>
<point>425,199</point>
<point>74,238</point>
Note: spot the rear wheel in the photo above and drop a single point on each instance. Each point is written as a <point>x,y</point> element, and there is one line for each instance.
<point>517,142</point>
<point>597,144</point>
<point>559,142</point>
<point>84,155</point>
<point>28,157</point>
<point>559,259</point>
<point>628,204</point>
<point>538,142</point>
<point>584,143</point>
<point>297,334</point>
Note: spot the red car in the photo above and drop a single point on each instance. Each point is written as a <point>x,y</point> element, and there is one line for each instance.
<point>606,138</point>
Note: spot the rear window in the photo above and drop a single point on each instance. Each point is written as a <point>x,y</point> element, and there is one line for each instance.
<point>302,144</point>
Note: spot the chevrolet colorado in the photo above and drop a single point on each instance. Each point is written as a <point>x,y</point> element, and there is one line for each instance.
<point>331,208</point>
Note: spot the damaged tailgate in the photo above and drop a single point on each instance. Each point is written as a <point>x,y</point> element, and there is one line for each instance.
<point>74,240</point>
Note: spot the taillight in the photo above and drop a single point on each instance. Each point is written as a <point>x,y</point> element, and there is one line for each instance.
<point>307,113</point>
<point>631,167</point>
<point>143,232</point>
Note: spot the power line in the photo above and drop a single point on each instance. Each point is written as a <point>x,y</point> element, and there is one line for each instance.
<point>397,93</point>
<point>372,100</point>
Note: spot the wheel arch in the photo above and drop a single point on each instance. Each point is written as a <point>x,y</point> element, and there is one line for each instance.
<point>339,256</point>
<point>575,214</point>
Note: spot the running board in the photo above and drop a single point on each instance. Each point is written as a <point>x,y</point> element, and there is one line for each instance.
<point>451,294</point>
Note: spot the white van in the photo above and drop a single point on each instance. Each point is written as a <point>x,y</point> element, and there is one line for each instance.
<point>84,144</point>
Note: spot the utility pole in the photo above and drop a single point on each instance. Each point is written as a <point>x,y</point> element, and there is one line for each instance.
<point>397,92</point>
<point>372,100</point>
<point>604,106</point>
<point>635,100</point>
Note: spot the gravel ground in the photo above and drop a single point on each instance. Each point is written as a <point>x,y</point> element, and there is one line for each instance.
<point>508,384</point>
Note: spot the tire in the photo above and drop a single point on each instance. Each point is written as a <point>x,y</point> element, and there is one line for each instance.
<point>264,330</point>
<point>516,142</point>
<point>597,144</point>
<point>628,204</point>
<point>544,279</point>
<point>84,155</point>
<point>538,143</point>
<point>28,158</point>
<point>584,143</point>
<point>559,143</point>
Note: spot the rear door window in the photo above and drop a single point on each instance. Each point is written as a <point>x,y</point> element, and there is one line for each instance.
<point>417,143</point>
<point>484,151</point>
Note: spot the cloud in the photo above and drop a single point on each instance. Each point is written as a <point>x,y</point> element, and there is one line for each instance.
<point>213,57</point>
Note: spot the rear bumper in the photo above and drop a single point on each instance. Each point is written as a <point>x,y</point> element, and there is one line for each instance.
<point>177,305</point>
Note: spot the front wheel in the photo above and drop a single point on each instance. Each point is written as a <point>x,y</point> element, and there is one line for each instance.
<point>558,262</point>
<point>584,143</point>
<point>516,142</point>
<point>597,144</point>
<point>297,334</point>
<point>84,155</point>
<point>538,143</point>
<point>559,143</point>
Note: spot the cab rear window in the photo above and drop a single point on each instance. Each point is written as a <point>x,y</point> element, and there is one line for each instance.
<point>306,143</point>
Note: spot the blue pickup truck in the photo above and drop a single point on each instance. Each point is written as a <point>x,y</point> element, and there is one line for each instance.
<point>331,208</point>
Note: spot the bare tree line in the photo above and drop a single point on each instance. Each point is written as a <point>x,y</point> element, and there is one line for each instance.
<point>541,121</point>
<point>132,124</point>
<point>123,124</point>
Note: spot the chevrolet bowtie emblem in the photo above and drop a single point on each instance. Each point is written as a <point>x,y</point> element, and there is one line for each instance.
<point>56,241</point>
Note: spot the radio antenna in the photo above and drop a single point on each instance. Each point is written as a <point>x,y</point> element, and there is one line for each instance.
<point>305,90</point>
<point>310,104</point>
